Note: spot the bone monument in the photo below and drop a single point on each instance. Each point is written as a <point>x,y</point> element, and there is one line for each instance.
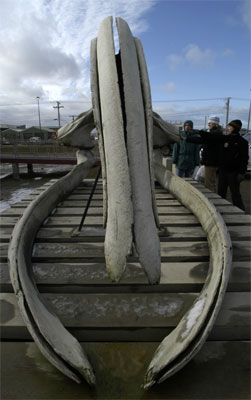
<point>130,137</point>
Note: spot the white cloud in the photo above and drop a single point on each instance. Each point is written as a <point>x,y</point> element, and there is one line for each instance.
<point>245,10</point>
<point>174,61</point>
<point>242,15</point>
<point>46,46</point>
<point>180,112</point>
<point>170,87</point>
<point>195,56</point>
<point>228,53</point>
<point>192,55</point>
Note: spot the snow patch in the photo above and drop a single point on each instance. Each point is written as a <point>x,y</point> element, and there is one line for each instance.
<point>15,198</point>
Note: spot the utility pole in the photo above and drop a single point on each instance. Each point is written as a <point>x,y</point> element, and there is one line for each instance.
<point>38,108</point>
<point>72,116</point>
<point>58,107</point>
<point>205,123</point>
<point>249,116</point>
<point>227,109</point>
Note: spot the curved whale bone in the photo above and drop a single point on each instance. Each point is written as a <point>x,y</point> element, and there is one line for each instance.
<point>128,130</point>
<point>164,133</point>
<point>138,133</point>
<point>98,121</point>
<point>122,111</point>
<point>187,338</point>
<point>118,236</point>
<point>77,132</point>
<point>53,340</point>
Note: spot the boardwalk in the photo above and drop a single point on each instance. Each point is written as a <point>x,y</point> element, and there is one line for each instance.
<point>120,325</point>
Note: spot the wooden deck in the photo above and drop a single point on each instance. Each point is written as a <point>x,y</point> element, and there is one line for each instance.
<point>120,325</point>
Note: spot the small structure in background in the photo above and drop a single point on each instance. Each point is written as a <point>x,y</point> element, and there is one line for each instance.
<point>11,135</point>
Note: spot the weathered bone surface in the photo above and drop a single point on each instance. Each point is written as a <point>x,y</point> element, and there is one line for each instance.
<point>187,338</point>
<point>164,133</point>
<point>77,133</point>
<point>147,100</point>
<point>145,232</point>
<point>124,119</point>
<point>97,119</point>
<point>54,341</point>
<point>118,237</point>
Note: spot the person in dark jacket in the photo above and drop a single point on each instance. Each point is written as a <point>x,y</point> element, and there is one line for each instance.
<point>233,163</point>
<point>210,154</point>
<point>186,156</point>
<point>233,159</point>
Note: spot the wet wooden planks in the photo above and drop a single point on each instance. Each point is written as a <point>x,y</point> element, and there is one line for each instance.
<point>128,316</point>
<point>67,260</point>
<point>70,273</point>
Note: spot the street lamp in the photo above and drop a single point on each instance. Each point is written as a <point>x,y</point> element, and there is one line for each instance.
<point>38,108</point>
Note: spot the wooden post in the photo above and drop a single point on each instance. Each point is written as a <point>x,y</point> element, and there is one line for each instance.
<point>15,170</point>
<point>30,169</point>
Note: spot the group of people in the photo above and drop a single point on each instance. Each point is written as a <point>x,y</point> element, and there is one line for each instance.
<point>227,154</point>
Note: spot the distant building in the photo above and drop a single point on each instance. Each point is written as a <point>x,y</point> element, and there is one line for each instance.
<point>10,135</point>
<point>34,131</point>
<point>3,127</point>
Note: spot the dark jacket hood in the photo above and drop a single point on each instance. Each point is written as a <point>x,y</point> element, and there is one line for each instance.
<point>188,122</point>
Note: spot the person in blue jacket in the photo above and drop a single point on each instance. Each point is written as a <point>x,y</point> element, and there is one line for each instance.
<point>186,156</point>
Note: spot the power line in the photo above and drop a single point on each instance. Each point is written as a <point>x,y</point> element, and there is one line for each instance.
<point>45,102</point>
<point>184,100</point>
<point>72,116</point>
<point>153,101</point>
<point>237,98</point>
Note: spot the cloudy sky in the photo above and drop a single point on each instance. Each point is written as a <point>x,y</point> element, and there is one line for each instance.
<point>197,52</point>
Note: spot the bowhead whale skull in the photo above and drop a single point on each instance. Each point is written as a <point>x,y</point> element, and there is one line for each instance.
<point>128,130</point>
<point>123,117</point>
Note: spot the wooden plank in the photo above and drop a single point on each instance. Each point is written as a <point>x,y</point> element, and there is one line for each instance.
<point>77,279</point>
<point>172,220</point>
<point>170,251</point>
<point>120,370</point>
<point>229,209</point>
<point>173,250</point>
<point>95,220</point>
<point>97,203</point>
<point>59,211</point>
<point>99,211</point>
<point>8,222</point>
<point>66,203</point>
<point>91,277</point>
<point>173,233</point>
<point>241,232</point>
<point>88,233</point>
<point>5,234</point>
<point>78,211</point>
<point>71,197</point>
<point>108,314</point>
<point>164,195</point>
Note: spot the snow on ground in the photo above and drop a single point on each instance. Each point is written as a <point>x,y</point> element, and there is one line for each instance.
<point>16,196</point>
